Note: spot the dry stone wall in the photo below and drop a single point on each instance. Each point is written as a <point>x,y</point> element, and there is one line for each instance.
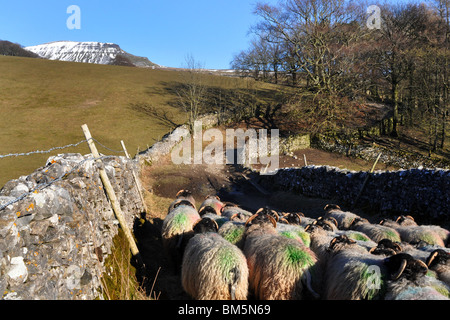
<point>54,241</point>
<point>423,193</point>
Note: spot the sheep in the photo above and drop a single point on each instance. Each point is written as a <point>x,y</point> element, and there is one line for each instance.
<point>213,202</point>
<point>293,217</point>
<point>352,272</point>
<point>344,218</point>
<point>386,247</point>
<point>439,262</point>
<point>376,232</point>
<point>279,268</point>
<point>213,268</point>
<point>408,280</point>
<point>304,221</point>
<point>236,212</point>
<point>182,195</point>
<point>443,234</point>
<point>414,234</point>
<point>176,230</point>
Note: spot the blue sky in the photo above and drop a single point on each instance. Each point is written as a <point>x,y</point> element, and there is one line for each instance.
<point>212,31</point>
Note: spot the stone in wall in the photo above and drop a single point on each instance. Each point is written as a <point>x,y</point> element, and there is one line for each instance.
<point>423,193</point>
<point>53,241</point>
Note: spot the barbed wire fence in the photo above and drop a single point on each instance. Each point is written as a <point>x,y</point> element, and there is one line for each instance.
<point>63,176</point>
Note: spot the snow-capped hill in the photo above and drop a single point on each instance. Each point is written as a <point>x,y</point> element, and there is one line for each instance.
<point>88,52</point>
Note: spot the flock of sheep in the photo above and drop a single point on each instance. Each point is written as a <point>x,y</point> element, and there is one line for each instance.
<point>225,252</point>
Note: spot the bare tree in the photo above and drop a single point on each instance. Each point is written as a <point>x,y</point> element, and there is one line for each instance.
<point>192,91</point>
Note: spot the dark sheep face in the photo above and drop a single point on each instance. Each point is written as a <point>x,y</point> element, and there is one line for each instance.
<point>206,225</point>
<point>403,265</point>
<point>438,257</point>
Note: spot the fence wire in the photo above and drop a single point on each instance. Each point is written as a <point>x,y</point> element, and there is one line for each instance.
<point>58,148</point>
<point>42,186</point>
<point>47,184</point>
<point>42,151</point>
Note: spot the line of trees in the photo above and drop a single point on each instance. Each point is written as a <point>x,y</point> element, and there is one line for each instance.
<point>326,47</point>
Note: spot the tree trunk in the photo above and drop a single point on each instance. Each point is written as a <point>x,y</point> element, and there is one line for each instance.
<point>395,94</point>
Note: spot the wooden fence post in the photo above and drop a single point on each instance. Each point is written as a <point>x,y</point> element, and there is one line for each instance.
<point>110,192</point>
<point>136,180</point>
<point>365,181</point>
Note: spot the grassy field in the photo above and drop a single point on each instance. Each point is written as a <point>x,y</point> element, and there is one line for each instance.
<point>44,103</point>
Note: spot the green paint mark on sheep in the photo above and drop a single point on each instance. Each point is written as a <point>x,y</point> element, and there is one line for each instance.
<point>298,256</point>
<point>180,220</point>
<point>358,236</point>
<point>373,282</point>
<point>305,238</point>
<point>234,235</point>
<point>428,238</point>
<point>392,235</point>
<point>227,262</point>
<point>442,290</point>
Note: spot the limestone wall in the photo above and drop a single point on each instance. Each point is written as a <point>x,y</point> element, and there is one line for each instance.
<point>54,240</point>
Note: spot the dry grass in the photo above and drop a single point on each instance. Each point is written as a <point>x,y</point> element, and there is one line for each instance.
<point>44,103</point>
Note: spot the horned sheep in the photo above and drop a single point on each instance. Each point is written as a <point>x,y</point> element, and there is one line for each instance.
<point>279,268</point>
<point>352,272</point>
<point>344,218</point>
<point>213,268</point>
<point>177,228</point>
<point>408,280</point>
<point>413,233</point>
<point>375,232</point>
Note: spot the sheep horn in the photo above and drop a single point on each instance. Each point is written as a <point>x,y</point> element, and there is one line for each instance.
<point>400,270</point>
<point>333,220</point>
<point>181,191</point>
<point>274,222</point>
<point>331,206</point>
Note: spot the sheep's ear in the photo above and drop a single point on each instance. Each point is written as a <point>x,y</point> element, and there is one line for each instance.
<point>259,210</point>
<point>381,222</point>
<point>217,197</point>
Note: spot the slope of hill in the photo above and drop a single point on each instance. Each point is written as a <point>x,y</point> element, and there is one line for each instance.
<point>88,52</point>
<point>8,48</point>
<point>43,104</point>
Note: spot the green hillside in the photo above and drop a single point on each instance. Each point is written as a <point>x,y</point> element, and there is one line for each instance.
<point>44,103</point>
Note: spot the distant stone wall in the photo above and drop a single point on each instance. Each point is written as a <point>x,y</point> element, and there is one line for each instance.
<point>53,242</point>
<point>423,193</point>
